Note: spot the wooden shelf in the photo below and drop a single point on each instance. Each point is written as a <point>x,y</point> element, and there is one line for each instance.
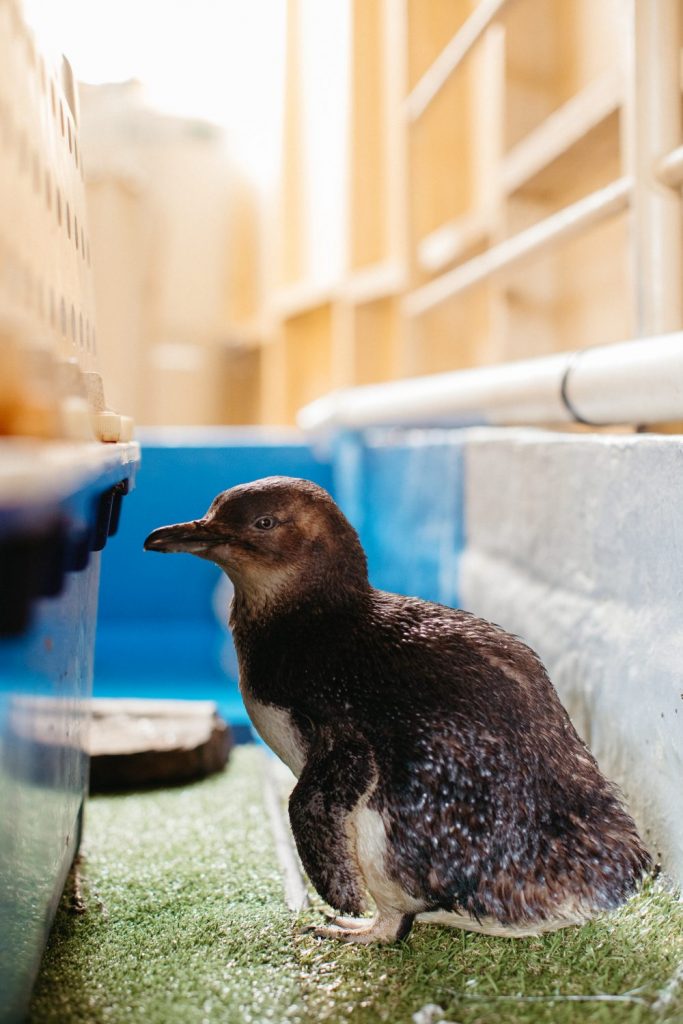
<point>431,29</point>
<point>456,333</point>
<point>240,372</point>
<point>243,335</point>
<point>453,241</point>
<point>542,236</point>
<point>441,146</point>
<point>299,299</point>
<point>498,202</point>
<point>375,330</point>
<point>436,75</point>
<point>308,357</point>
<point>565,128</point>
<point>553,51</point>
<point>590,164</point>
<point>372,284</point>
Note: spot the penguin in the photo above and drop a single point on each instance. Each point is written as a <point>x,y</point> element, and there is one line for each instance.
<point>437,771</point>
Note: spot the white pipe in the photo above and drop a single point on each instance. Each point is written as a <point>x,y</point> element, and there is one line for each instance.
<point>546,234</point>
<point>627,382</point>
<point>452,55</point>
<point>670,168</point>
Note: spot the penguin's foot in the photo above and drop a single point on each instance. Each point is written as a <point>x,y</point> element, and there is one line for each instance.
<point>336,924</point>
<point>382,928</point>
<point>349,923</point>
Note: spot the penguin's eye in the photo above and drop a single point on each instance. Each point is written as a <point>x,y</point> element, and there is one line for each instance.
<point>265,523</point>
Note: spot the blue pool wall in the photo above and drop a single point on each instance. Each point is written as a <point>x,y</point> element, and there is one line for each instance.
<point>402,490</point>
<point>162,628</point>
<point>162,625</point>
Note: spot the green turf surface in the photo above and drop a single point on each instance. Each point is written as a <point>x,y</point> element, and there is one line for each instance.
<point>185,922</point>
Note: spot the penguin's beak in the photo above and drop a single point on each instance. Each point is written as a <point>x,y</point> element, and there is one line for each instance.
<point>193,537</point>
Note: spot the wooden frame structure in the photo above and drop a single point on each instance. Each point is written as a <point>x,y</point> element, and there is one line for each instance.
<point>513,190</point>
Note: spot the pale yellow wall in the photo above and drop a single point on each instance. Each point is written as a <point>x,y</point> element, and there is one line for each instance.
<point>177,257</point>
<point>122,252</point>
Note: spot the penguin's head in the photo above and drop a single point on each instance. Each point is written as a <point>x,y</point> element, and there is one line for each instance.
<point>276,537</point>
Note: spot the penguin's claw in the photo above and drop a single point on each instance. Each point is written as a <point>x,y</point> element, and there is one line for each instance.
<point>382,928</point>
<point>335,925</point>
<point>349,923</point>
<point>308,929</point>
<point>363,935</point>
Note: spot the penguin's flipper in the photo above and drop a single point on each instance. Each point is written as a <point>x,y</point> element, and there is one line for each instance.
<point>335,777</point>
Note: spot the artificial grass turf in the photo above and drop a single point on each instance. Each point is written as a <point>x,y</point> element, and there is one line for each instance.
<point>185,922</point>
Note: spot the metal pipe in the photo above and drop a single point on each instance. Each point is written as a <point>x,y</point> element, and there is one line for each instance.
<point>626,382</point>
<point>566,223</point>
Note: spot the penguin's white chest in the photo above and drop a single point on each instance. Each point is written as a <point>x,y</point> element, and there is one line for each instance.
<point>276,728</point>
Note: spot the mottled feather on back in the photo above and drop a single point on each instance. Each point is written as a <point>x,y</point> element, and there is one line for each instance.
<point>492,803</point>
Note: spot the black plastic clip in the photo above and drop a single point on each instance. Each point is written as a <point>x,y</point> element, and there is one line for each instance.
<point>32,565</point>
<point>120,490</point>
<point>108,513</point>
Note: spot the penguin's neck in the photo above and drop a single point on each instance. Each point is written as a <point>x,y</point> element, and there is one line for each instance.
<point>260,602</point>
<point>287,652</point>
<point>259,597</point>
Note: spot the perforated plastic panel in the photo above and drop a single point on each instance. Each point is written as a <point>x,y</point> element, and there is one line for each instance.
<point>45,273</point>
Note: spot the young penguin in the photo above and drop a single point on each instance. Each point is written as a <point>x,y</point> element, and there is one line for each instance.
<point>437,770</point>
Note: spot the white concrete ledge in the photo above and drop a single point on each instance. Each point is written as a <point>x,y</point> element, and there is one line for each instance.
<point>576,544</point>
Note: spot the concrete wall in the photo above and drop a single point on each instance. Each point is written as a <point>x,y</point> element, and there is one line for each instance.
<point>575,542</point>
